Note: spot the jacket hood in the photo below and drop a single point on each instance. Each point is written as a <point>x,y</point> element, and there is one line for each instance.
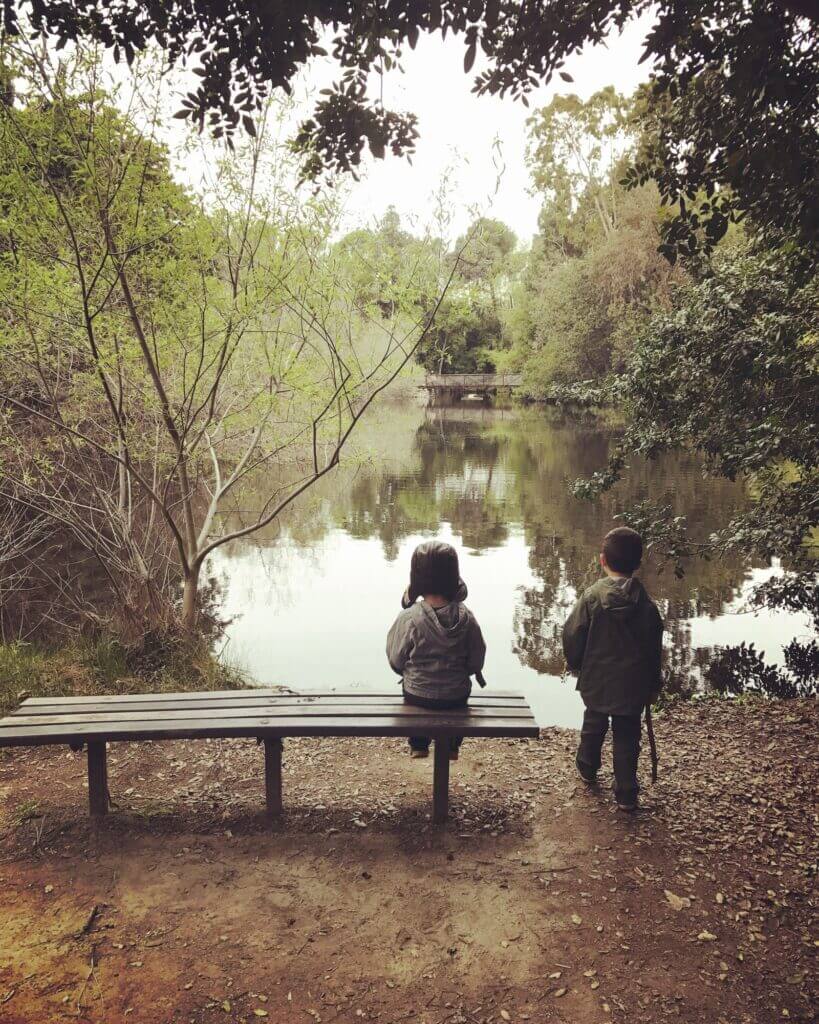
<point>446,624</point>
<point>621,595</point>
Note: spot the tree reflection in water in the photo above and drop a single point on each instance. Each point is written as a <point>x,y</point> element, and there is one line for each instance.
<point>486,472</point>
<point>498,481</point>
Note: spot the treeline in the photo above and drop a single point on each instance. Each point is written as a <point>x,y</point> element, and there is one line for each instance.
<point>571,306</point>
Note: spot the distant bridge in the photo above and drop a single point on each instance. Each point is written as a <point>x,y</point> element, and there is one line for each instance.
<point>447,386</point>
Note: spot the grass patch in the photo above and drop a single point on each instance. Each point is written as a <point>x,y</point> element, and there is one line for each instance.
<point>104,666</point>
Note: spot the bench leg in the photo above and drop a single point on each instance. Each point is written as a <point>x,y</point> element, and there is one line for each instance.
<point>273,776</point>
<point>97,778</point>
<point>440,781</point>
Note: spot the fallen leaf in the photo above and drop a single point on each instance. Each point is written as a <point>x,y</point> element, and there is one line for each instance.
<point>560,992</point>
<point>706,937</point>
<point>577,919</point>
<point>677,902</point>
<point>505,1015</point>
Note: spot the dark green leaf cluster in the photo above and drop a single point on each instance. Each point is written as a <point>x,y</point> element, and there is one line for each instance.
<point>731,121</point>
<point>732,372</point>
<point>463,338</point>
<point>743,669</point>
<point>732,369</point>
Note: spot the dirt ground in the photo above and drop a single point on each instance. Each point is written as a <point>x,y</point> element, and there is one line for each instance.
<point>538,902</point>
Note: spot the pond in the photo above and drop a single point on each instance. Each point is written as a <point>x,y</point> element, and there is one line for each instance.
<point>309,605</point>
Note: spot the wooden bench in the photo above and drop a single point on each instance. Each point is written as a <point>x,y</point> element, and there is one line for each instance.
<point>268,715</point>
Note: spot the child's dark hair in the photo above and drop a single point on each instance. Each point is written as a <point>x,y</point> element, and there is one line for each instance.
<point>623,549</point>
<point>434,570</point>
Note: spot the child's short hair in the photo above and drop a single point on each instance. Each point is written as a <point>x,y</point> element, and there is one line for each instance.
<point>434,570</point>
<point>623,549</point>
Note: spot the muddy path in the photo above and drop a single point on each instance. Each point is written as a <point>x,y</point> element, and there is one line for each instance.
<point>539,901</point>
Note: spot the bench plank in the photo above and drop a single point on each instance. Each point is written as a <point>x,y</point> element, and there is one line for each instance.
<point>94,706</point>
<point>439,723</point>
<point>114,698</point>
<point>81,719</point>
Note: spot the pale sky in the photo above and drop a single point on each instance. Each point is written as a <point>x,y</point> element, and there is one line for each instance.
<point>463,136</point>
<point>458,130</point>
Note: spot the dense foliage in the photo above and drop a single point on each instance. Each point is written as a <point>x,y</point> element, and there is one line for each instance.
<point>387,263</point>
<point>594,274</point>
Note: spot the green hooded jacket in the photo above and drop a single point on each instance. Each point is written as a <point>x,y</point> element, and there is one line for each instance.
<point>613,640</point>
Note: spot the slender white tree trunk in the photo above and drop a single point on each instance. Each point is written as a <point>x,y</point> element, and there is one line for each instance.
<point>190,600</point>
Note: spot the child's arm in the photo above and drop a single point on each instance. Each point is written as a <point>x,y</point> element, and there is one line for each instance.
<point>399,644</point>
<point>476,652</point>
<point>575,633</point>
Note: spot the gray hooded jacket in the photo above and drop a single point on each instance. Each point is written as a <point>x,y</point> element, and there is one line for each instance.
<point>436,650</point>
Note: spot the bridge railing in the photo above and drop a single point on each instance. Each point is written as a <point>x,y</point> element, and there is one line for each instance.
<point>477,381</point>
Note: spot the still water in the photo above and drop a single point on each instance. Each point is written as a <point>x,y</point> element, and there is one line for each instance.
<point>309,605</point>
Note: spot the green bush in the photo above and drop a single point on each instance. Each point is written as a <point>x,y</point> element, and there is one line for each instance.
<point>105,666</point>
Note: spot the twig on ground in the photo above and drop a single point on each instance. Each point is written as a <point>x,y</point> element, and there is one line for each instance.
<point>88,921</point>
<point>85,985</point>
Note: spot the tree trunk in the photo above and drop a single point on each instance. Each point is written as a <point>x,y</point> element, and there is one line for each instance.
<point>190,600</point>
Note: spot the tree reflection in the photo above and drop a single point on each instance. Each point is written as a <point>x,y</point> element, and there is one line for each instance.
<point>487,473</point>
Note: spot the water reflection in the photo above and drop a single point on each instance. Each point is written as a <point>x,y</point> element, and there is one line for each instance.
<point>313,602</point>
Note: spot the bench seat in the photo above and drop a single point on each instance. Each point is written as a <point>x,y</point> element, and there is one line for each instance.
<point>268,715</point>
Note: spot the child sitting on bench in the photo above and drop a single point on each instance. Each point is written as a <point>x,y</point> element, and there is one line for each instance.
<point>435,644</point>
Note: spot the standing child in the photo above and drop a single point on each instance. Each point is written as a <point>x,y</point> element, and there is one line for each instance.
<point>613,641</point>
<point>435,644</point>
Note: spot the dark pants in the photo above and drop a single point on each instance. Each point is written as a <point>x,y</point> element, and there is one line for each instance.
<point>625,731</point>
<point>423,742</point>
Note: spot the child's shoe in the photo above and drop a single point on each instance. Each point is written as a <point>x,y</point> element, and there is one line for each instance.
<point>419,752</point>
<point>586,772</point>
<point>626,802</point>
<point>453,754</point>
